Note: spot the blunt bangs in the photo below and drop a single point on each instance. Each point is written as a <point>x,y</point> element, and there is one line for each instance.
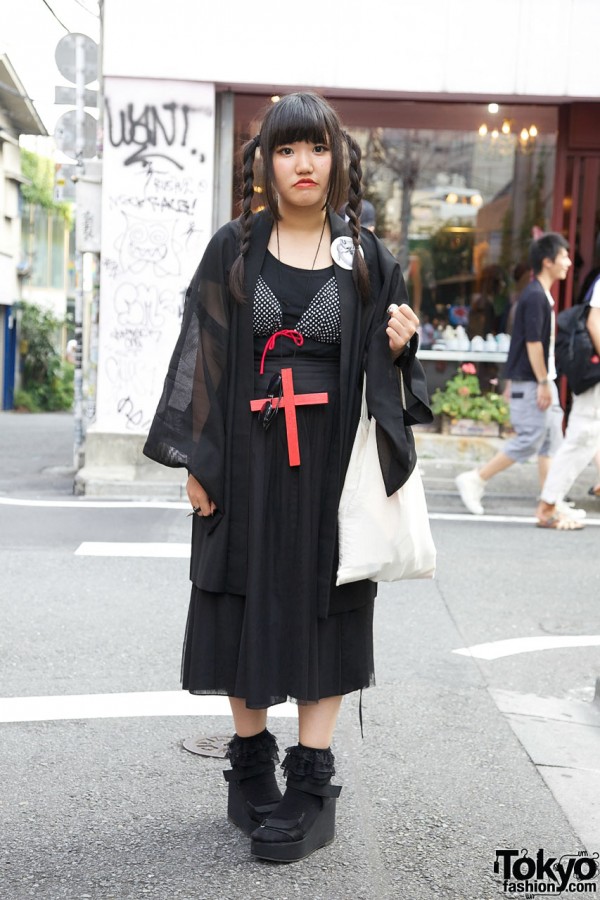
<point>296,118</point>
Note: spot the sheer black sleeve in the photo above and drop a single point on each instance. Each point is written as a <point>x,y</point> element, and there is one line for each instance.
<point>188,428</point>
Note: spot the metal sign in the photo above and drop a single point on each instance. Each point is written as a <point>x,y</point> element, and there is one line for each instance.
<point>64,187</point>
<point>65,135</point>
<point>68,96</point>
<point>65,55</point>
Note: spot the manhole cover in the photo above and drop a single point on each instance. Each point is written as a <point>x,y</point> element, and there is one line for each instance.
<point>213,745</point>
<point>570,627</point>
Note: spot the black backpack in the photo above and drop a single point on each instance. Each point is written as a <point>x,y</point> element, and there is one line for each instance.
<point>575,354</point>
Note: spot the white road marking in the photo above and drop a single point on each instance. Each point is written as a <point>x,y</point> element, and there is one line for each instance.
<point>109,706</point>
<point>176,506</point>
<point>469,517</point>
<point>152,549</point>
<point>521,520</point>
<point>513,646</point>
<point>96,504</point>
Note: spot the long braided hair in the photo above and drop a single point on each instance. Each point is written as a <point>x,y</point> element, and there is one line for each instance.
<point>303,117</point>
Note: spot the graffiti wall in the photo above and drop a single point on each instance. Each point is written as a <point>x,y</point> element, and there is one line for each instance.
<point>156,221</point>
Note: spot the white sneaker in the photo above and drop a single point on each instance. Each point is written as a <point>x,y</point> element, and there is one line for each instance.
<point>471,488</point>
<point>571,512</point>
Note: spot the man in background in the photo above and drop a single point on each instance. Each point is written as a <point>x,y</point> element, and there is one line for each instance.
<point>535,412</point>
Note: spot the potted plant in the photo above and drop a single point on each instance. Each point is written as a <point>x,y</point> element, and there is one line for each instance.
<point>464,410</point>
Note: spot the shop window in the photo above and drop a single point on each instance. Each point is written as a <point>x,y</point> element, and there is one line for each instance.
<point>458,209</point>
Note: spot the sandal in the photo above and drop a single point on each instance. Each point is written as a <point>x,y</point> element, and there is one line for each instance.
<point>560,523</point>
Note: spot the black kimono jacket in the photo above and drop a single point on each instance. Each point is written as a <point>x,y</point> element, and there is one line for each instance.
<point>203,418</point>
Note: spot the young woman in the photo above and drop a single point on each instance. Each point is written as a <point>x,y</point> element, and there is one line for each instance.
<point>287,302</point>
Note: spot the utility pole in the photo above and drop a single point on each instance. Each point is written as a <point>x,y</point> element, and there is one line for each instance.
<point>77,59</point>
<point>79,149</point>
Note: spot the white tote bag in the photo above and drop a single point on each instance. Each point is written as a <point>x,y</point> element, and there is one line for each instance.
<point>381,538</point>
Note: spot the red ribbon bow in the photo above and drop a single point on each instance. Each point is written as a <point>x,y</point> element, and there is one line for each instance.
<point>290,333</point>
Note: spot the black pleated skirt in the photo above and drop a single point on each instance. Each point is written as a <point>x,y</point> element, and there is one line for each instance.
<point>275,643</point>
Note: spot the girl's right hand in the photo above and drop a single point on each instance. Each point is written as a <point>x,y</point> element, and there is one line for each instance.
<point>201,502</point>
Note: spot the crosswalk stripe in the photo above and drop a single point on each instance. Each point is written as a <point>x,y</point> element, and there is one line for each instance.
<point>123,705</point>
<point>469,517</point>
<point>95,504</point>
<point>152,549</point>
<point>177,506</point>
<point>514,646</point>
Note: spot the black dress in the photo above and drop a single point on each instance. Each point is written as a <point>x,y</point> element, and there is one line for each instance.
<point>271,644</point>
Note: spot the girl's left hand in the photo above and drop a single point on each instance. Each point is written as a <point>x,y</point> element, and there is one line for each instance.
<point>402,325</point>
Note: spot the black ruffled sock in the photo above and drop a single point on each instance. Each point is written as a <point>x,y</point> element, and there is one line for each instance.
<point>311,764</point>
<point>258,752</point>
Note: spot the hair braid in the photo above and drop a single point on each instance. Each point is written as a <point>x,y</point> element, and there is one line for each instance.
<point>360,271</point>
<point>236,275</point>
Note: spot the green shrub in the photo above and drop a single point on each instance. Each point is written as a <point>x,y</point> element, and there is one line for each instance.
<point>47,380</point>
<point>25,400</point>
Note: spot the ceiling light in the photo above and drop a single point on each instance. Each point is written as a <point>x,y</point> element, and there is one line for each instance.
<point>493,108</point>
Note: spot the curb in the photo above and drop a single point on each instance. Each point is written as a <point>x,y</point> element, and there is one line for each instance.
<point>453,448</point>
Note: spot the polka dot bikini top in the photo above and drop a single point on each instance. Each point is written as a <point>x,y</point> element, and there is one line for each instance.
<point>319,321</point>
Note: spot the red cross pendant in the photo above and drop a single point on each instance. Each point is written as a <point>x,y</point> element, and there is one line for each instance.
<point>289,401</point>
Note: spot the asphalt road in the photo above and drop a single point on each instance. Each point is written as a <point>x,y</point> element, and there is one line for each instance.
<point>463,755</point>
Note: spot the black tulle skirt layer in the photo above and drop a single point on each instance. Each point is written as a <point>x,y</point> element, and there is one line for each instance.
<point>272,644</point>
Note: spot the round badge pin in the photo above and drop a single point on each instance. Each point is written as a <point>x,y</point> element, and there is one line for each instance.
<point>342,252</point>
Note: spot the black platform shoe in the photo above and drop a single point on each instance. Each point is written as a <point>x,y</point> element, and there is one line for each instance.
<point>253,790</point>
<point>304,821</point>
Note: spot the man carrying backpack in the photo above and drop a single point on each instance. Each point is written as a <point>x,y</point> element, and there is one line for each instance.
<point>582,438</point>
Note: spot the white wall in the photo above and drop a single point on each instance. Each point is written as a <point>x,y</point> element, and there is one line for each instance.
<point>8,279</point>
<point>156,221</point>
<point>10,223</point>
<point>465,48</point>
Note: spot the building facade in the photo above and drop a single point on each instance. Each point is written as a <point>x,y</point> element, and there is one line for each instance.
<point>17,116</point>
<point>479,124</point>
